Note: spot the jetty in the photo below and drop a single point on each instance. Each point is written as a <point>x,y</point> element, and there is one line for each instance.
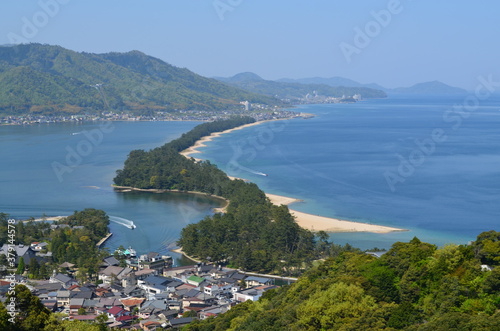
<point>103,240</point>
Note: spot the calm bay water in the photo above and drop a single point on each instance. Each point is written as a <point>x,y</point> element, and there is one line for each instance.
<point>30,187</point>
<point>337,162</point>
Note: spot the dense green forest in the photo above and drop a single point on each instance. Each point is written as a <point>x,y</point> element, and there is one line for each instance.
<point>414,286</point>
<point>67,243</point>
<point>253,234</point>
<point>165,168</point>
<point>47,79</point>
<point>284,90</point>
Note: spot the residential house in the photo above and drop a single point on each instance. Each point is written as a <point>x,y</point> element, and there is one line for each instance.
<point>180,322</point>
<point>213,311</point>
<point>115,312</point>
<point>158,284</point>
<point>256,281</point>
<point>63,297</point>
<point>213,290</point>
<point>26,252</point>
<point>131,303</point>
<point>89,305</point>
<point>111,261</point>
<point>64,280</point>
<point>134,291</point>
<point>112,273</point>
<point>248,294</point>
<point>147,325</point>
<point>195,280</point>
<point>154,261</point>
<point>74,305</point>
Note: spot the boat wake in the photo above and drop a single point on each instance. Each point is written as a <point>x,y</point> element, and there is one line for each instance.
<point>252,171</point>
<point>123,221</point>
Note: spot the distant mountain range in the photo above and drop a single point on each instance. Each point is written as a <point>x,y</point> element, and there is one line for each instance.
<point>296,89</point>
<point>37,78</point>
<point>427,88</point>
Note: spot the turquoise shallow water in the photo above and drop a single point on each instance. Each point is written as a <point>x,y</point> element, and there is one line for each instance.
<point>343,162</point>
<point>336,162</point>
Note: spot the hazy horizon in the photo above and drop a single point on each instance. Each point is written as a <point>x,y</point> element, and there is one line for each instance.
<point>392,43</point>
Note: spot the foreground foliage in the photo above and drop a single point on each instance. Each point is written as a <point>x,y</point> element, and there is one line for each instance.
<point>414,286</point>
<point>31,315</point>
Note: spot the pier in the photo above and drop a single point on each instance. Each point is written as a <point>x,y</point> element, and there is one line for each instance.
<point>103,240</point>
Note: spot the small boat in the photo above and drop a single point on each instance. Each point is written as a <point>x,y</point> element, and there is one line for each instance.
<point>132,226</point>
<point>131,252</point>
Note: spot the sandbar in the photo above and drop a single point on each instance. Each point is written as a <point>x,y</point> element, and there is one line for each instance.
<point>304,220</point>
<point>201,142</point>
<point>48,218</point>
<point>327,224</point>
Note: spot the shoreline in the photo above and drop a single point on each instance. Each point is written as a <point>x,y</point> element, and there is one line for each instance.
<point>180,251</point>
<point>124,189</point>
<point>48,218</point>
<point>201,142</point>
<point>305,220</point>
<point>328,224</point>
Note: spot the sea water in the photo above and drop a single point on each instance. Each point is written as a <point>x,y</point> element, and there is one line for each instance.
<point>413,163</point>
<point>56,169</point>
<point>337,162</point>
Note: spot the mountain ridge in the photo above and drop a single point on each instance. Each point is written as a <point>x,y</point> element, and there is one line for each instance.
<point>292,90</point>
<point>429,88</point>
<point>72,82</point>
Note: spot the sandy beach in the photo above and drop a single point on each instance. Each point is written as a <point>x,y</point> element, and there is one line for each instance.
<point>306,221</point>
<point>180,251</point>
<point>51,218</point>
<point>201,143</point>
<point>328,224</point>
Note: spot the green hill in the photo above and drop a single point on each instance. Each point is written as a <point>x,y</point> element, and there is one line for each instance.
<point>413,287</point>
<point>38,78</point>
<point>295,90</point>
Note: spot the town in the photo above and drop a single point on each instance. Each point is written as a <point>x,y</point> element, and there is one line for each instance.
<point>257,111</point>
<point>139,293</point>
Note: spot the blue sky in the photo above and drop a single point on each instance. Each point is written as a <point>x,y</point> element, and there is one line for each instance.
<point>420,40</point>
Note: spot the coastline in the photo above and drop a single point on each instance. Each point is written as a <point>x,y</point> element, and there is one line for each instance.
<point>124,189</point>
<point>305,220</point>
<point>201,142</point>
<point>328,224</point>
<point>180,251</point>
<point>50,219</point>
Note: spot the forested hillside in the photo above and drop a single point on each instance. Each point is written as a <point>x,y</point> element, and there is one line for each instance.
<point>414,286</point>
<point>37,78</point>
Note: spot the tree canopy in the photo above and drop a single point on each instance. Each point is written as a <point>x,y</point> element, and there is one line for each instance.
<point>414,286</point>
